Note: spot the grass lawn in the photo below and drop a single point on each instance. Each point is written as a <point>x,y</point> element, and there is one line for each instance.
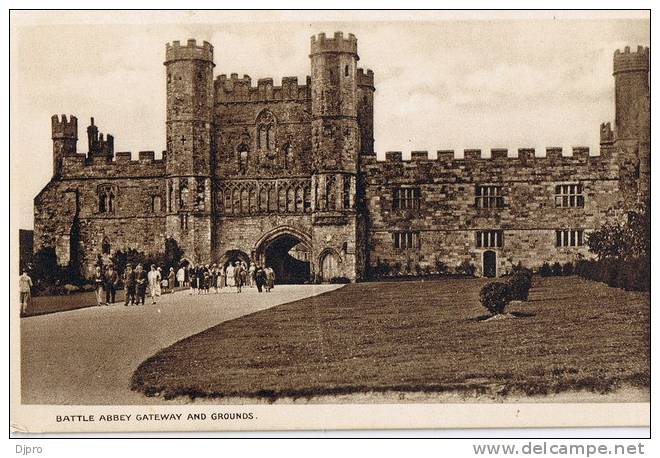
<point>415,336</point>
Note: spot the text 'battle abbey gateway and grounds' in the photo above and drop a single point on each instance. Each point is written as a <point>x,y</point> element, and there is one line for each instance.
<point>287,176</point>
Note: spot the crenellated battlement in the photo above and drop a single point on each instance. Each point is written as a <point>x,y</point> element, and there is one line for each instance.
<point>63,128</point>
<point>235,89</point>
<point>121,165</point>
<point>628,61</point>
<point>496,154</point>
<point>191,51</point>
<point>338,44</point>
<point>365,78</point>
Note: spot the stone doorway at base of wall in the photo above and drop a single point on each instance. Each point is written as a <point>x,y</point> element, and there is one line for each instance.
<point>489,266</point>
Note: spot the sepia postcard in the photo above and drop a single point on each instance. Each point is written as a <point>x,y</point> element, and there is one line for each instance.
<point>299,220</point>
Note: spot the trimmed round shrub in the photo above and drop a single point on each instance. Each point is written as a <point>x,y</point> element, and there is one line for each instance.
<point>519,285</point>
<point>494,296</point>
<point>568,269</point>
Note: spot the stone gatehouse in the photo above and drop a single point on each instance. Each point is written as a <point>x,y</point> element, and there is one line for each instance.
<point>287,175</point>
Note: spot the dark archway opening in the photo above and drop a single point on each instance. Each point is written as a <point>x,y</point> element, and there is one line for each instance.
<point>233,256</point>
<point>490,264</point>
<point>288,256</point>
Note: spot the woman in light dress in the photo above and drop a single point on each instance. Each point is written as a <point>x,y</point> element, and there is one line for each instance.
<point>229,273</point>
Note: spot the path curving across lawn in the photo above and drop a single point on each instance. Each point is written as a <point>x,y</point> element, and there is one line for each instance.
<point>420,336</point>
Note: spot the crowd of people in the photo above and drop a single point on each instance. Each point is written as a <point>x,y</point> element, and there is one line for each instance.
<point>203,279</point>
<point>138,281</point>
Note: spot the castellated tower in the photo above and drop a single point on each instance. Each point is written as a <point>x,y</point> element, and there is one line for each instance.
<point>65,138</point>
<point>633,122</point>
<point>336,145</point>
<point>188,158</point>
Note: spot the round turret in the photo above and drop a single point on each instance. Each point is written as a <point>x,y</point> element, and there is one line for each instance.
<point>631,81</point>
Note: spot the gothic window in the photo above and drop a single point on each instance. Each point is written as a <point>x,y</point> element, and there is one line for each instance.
<point>245,201</point>
<point>236,201</point>
<point>106,199</point>
<point>183,193</point>
<point>272,200</point>
<point>102,201</point>
<point>254,205</point>
<point>220,201</point>
<point>228,205</point>
<point>266,131</point>
<point>170,196</point>
<point>200,194</point>
<point>243,153</point>
<point>346,70</point>
<point>330,192</point>
<point>347,191</point>
<point>183,220</point>
<point>155,204</point>
<point>282,199</point>
<point>263,199</point>
<point>291,200</point>
<point>307,203</point>
<point>288,156</point>
<point>105,246</point>
<point>300,200</point>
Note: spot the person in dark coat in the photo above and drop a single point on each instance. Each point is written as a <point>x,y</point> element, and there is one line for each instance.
<point>129,284</point>
<point>140,284</point>
<point>111,280</point>
<point>259,278</point>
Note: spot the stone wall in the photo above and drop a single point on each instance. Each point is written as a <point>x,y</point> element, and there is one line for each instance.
<point>448,219</point>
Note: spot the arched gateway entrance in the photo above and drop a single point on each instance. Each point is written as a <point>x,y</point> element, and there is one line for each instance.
<point>288,252</point>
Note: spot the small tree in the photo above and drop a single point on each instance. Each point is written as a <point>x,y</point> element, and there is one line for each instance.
<point>519,284</point>
<point>568,269</point>
<point>494,296</point>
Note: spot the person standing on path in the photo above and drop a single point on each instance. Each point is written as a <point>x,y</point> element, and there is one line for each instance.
<point>110,279</point>
<point>170,280</point>
<point>160,279</point>
<point>221,277</point>
<point>260,278</point>
<point>98,285</point>
<point>25,288</point>
<point>238,276</point>
<point>214,278</point>
<point>140,284</point>
<point>153,277</point>
<point>230,275</point>
<point>270,278</point>
<point>180,277</point>
<point>250,276</point>
<point>129,285</point>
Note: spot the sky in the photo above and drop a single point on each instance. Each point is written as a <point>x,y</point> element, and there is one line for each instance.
<point>443,80</point>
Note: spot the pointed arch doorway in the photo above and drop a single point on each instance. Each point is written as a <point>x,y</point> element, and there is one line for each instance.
<point>288,252</point>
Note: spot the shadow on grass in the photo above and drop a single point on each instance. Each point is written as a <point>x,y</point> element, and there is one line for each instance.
<point>507,314</point>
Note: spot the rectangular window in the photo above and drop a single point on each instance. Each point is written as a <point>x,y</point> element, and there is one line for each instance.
<point>406,240</point>
<point>569,237</point>
<point>569,195</point>
<point>489,239</point>
<point>406,198</point>
<point>489,197</point>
